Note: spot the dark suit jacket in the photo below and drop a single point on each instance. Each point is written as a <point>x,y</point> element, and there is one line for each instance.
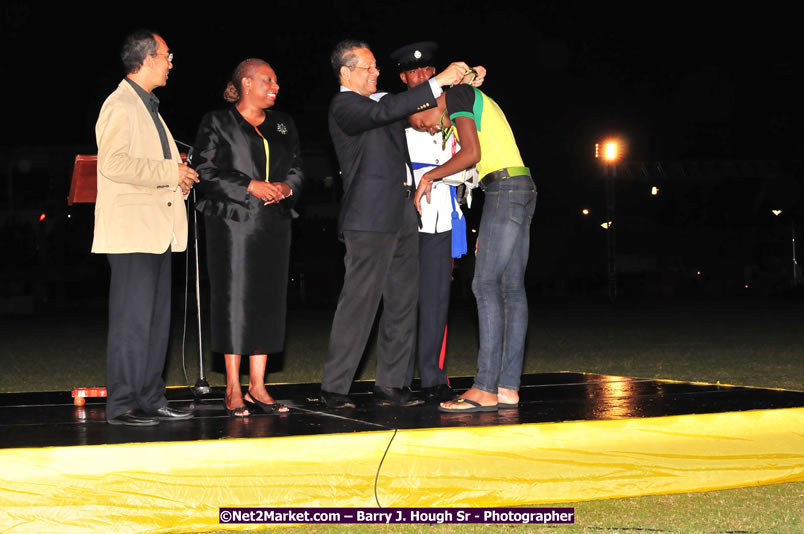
<point>229,154</point>
<point>369,139</point>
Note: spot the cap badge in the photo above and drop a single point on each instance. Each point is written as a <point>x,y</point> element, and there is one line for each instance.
<point>417,54</point>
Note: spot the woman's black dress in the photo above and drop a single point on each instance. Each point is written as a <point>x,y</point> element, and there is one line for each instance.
<point>248,243</point>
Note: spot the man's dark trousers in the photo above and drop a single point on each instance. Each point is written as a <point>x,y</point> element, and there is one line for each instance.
<point>139,330</point>
<point>435,276</point>
<point>379,265</point>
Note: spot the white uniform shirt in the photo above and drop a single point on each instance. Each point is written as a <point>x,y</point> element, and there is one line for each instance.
<point>426,153</point>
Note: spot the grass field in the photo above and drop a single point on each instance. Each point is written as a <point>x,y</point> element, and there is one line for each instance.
<point>745,342</point>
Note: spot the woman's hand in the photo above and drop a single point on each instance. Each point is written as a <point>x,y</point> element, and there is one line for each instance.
<point>269,192</point>
<point>285,189</point>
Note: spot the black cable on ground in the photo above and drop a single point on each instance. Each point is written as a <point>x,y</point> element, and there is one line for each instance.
<point>379,467</point>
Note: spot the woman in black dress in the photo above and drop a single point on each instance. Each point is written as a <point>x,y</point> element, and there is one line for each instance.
<point>248,161</point>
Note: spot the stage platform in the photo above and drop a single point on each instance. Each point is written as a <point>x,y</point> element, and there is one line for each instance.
<point>574,437</point>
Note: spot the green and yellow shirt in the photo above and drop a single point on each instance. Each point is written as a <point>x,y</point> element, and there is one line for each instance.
<point>498,148</point>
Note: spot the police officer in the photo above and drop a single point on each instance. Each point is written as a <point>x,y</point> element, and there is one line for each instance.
<point>416,63</point>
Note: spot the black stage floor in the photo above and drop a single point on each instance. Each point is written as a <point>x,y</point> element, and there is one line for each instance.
<point>51,419</point>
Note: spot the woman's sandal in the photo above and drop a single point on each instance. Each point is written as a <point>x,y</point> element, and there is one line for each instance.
<point>238,412</point>
<point>258,406</point>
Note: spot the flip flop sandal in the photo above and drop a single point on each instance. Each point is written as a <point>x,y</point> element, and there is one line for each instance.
<point>476,407</point>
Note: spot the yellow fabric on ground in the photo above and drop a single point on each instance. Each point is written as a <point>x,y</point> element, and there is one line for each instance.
<point>575,461</point>
<point>178,487</point>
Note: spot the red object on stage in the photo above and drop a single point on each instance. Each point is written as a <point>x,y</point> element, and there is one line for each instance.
<point>80,394</point>
<point>84,184</point>
<point>84,189</point>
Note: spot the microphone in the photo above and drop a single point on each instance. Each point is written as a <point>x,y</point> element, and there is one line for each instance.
<point>190,150</point>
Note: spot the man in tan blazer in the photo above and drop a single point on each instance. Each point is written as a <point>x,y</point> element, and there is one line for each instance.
<point>139,219</point>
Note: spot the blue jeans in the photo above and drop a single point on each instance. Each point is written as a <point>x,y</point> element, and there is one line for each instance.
<point>499,282</point>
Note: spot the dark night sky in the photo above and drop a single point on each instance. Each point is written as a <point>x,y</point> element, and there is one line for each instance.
<point>678,80</point>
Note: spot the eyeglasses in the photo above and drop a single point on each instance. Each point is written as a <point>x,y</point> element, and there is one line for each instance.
<point>168,56</point>
<point>367,69</point>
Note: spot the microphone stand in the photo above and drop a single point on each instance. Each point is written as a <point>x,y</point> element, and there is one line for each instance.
<point>201,385</point>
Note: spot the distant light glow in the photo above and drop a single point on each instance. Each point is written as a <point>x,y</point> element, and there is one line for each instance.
<point>776,212</point>
<point>42,217</point>
<point>654,190</point>
<point>746,286</point>
<point>606,225</point>
<point>474,231</point>
<point>611,151</point>
<point>699,273</point>
<point>585,211</point>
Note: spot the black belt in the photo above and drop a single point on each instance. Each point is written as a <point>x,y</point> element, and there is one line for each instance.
<point>503,174</point>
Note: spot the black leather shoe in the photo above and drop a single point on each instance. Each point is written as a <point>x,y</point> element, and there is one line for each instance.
<point>336,400</point>
<point>166,413</point>
<point>131,419</point>
<point>388,396</point>
<point>439,393</point>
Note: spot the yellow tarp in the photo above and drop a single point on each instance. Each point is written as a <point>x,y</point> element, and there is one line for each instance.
<point>164,487</point>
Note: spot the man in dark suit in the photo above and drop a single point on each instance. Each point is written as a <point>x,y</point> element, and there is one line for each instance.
<point>377,222</point>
